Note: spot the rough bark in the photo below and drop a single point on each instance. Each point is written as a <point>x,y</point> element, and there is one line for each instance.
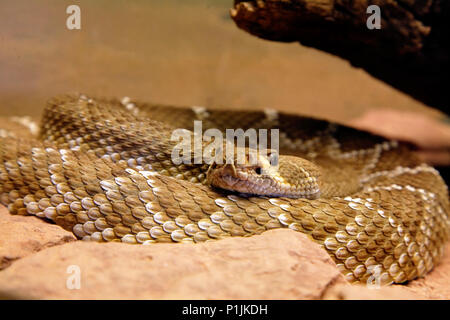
<point>409,52</point>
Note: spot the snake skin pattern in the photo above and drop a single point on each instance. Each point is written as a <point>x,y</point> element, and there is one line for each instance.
<point>102,169</point>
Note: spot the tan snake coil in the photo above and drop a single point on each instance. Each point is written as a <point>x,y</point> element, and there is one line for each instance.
<point>102,169</point>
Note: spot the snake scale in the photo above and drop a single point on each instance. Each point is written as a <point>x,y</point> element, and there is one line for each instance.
<point>102,169</point>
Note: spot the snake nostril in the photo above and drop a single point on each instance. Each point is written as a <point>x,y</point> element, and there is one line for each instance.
<point>258,170</point>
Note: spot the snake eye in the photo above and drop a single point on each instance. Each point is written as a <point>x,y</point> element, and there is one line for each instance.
<point>258,170</point>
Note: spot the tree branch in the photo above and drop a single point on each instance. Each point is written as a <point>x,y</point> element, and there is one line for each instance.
<point>409,52</point>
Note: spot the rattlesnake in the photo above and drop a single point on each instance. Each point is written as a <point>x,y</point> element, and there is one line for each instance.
<point>102,169</point>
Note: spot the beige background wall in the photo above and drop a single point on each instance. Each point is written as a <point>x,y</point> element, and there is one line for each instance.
<point>185,52</point>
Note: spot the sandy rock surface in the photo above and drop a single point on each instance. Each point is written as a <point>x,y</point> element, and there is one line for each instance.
<point>22,235</point>
<point>42,261</point>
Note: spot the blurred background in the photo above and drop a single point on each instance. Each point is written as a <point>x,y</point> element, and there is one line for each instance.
<point>182,52</point>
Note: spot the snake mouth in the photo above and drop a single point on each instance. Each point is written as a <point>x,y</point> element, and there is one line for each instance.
<point>249,188</point>
<point>230,180</point>
<point>246,183</point>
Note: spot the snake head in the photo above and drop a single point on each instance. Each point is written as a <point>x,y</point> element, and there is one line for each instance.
<point>267,175</point>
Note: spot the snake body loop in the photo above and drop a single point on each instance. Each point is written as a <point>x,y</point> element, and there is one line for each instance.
<point>102,169</point>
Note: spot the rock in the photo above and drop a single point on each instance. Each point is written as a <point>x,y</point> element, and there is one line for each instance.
<point>279,264</point>
<point>24,235</point>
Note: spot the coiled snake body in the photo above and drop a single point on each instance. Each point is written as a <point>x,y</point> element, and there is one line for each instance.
<point>102,169</point>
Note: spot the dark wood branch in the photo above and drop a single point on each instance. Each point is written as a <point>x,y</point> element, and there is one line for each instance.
<point>409,52</point>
